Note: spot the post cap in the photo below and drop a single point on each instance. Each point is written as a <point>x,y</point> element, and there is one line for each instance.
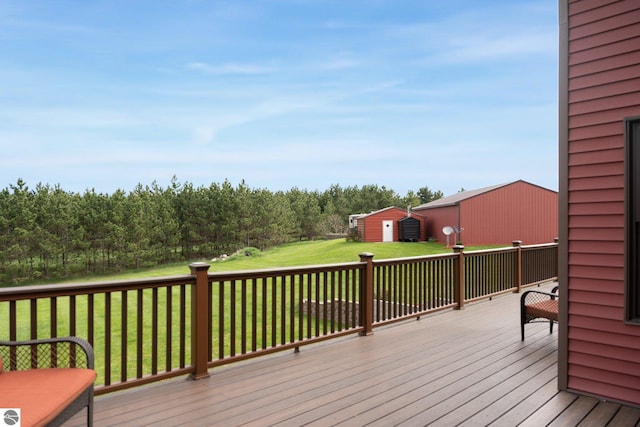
<point>199,266</point>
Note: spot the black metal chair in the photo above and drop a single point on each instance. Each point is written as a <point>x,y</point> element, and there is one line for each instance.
<point>539,306</point>
<point>42,354</point>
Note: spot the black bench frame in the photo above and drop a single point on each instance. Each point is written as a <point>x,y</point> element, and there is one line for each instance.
<point>534,296</point>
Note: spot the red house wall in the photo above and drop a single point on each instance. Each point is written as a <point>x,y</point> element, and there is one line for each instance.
<point>602,88</point>
<point>370,226</point>
<point>518,211</point>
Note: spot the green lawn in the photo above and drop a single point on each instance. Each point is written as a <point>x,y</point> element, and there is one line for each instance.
<point>297,254</point>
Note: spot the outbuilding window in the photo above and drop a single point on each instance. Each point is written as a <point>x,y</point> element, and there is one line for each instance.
<point>632,161</point>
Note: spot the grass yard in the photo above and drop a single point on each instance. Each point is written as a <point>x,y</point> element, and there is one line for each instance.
<point>296,254</point>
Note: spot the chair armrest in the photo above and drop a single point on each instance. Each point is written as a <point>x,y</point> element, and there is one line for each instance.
<point>63,352</point>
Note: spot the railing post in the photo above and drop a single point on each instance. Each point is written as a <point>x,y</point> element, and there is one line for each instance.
<point>518,244</point>
<point>458,277</point>
<point>366,295</point>
<point>199,320</point>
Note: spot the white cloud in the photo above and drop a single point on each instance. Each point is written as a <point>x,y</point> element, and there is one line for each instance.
<point>72,118</point>
<point>481,47</point>
<point>231,68</point>
<point>341,61</point>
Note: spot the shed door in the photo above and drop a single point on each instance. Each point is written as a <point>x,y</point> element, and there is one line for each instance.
<point>387,231</point>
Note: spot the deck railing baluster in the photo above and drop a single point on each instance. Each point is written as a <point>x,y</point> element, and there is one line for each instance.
<point>124,319</point>
<point>341,284</point>
<point>300,303</point>
<point>284,297</point>
<point>72,324</point>
<point>154,331</point>
<point>53,317</point>
<point>311,304</point>
<point>183,325</point>
<point>292,309</point>
<point>107,338</point>
<point>169,330</point>
<point>254,315</point>
<point>232,317</point>
<point>243,317</point>
<point>210,332</point>
<point>221,317</point>
<point>140,333</point>
<point>34,319</point>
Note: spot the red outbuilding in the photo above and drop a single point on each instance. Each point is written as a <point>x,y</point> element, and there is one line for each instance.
<point>498,214</point>
<point>390,224</point>
<point>599,137</point>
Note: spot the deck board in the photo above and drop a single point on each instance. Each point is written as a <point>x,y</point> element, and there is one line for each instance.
<point>465,367</point>
<point>626,416</point>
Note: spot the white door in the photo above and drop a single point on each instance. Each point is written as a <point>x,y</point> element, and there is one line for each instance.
<point>387,231</point>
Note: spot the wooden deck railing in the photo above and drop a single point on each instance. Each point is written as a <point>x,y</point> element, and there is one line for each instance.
<point>152,329</point>
<point>262,311</point>
<point>410,287</point>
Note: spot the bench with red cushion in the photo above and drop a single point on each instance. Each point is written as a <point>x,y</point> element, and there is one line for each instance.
<point>536,306</point>
<point>49,380</point>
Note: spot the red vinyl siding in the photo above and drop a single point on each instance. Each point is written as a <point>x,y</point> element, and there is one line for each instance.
<point>603,88</point>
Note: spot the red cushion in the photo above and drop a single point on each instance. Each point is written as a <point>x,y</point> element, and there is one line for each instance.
<point>42,394</point>
<point>547,309</point>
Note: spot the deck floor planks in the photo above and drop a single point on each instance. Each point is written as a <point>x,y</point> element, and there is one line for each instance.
<point>575,413</point>
<point>400,376</point>
<point>466,366</point>
<point>435,406</point>
<point>550,410</point>
<point>514,415</point>
<point>505,395</point>
<point>354,364</point>
<point>345,398</point>
<point>356,373</point>
<point>410,381</point>
<point>602,414</point>
<point>625,417</point>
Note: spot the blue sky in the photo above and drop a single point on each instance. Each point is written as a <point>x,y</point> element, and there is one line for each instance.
<point>280,93</point>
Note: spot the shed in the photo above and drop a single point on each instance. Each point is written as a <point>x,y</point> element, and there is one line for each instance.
<point>599,138</point>
<point>383,225</point>
<point>498,214</point>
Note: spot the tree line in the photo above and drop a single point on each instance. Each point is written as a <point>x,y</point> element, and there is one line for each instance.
<point>50,233</point>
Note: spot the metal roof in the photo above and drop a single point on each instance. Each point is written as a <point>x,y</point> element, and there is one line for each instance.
<point>378,211</point>
<point>463,195</point>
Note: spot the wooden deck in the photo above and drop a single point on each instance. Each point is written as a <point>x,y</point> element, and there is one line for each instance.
<point>464,367</point>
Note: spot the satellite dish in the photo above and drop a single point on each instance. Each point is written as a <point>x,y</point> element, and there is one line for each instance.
<point>447,230</point>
